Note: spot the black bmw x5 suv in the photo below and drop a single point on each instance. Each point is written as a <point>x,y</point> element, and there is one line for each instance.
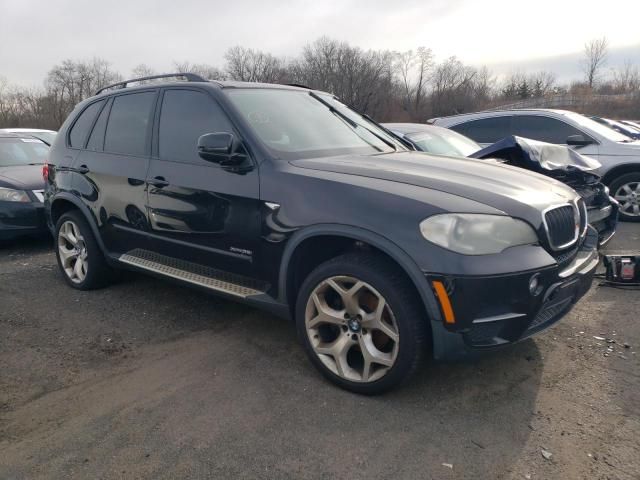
<point>286,199</point>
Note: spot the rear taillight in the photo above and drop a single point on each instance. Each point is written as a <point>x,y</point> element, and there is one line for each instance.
<point>45,171</point>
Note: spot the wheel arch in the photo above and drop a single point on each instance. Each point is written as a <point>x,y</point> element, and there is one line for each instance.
<point>64,202</point>
<point>620,170</point>
<point>287,289</point>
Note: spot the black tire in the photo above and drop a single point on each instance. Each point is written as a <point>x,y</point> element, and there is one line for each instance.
<point>98,272</point>
<point>401,297</point>
<point>616,184</point>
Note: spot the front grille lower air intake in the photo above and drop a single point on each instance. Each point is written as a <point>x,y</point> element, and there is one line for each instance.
<point>563,226</point>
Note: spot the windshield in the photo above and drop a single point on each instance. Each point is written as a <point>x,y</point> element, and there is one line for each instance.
<point>47,137</point>
<point>444,142</point>
<point>602,130</point>
<point>22,151</point>
<point>295,124</point>
<point>622,128</point>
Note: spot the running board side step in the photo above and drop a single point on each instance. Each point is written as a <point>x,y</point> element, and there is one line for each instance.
<point>206,277</point>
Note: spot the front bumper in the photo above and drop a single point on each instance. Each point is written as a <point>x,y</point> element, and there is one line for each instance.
<point>604,219</point>
<point>499,310</point>
<point>19,219</point>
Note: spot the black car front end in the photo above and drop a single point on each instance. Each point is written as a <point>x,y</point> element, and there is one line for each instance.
<point>21,186</point>
<point>481,312</point>
<point>492,311</point>
<point>24,217</point>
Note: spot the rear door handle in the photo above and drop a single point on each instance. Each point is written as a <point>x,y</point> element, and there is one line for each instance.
<point>159,182</point>
<point>83,169</point>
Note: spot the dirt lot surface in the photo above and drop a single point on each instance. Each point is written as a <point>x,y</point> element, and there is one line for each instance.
<point>147,379</point>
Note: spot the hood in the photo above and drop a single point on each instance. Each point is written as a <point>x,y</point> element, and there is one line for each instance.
<point>538,156</point>
<point>509,189</point>
<point>23,177</point>
<point>556,161</point>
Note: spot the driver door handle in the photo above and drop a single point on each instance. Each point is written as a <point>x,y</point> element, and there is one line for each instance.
<point>159,182</point>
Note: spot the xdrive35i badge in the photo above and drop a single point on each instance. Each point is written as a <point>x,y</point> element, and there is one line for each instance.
<point>242,251</point>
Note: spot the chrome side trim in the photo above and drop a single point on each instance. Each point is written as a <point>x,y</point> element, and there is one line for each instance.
<point>497,318</point>
<point>210,278</point>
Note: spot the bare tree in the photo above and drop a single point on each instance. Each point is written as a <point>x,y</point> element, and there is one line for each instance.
<point>595,57</point>
<point>454,87</point>
<point>249,65</point>
<point>543,83</point>
<point>424,64</point>
<point>73,81</point>
<point>209,72</point>
<point>362,79</point>
<point>626,79</point>
<point>142,70</point>
<point>403,65</point>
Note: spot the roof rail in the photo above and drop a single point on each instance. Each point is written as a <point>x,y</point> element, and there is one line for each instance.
<point>189,77</point>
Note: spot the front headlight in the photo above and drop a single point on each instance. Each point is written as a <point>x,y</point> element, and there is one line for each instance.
<point>477,234</point>
<point>10,195</point>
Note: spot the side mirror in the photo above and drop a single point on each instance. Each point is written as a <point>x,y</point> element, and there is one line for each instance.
<point>222,148</point>
<point>578,141</point>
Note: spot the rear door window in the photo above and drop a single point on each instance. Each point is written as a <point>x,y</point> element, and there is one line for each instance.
<point>544,129</point>
<point>485,130</point>
<point>129,124</point>
<point>81,127</point>
<point>185,116</point>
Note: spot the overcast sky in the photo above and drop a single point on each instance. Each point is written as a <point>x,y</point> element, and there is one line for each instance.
<point>36,34</point>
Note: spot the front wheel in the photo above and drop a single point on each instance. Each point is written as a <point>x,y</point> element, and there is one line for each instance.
<point>361,323</point>
<point>626,190</point>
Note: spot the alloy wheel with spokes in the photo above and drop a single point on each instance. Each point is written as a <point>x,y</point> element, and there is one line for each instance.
<point>361,322</point>
<point>628,194</point>
<point>72,250</point>
<point>352,329</point>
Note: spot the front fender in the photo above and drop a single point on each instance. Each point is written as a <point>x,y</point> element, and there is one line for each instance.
<point>375,240</point>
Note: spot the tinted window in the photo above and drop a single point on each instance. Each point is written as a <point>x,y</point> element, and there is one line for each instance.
<point>128,123</point>
<point>185,116</point>
<point>96,140</point>
<point>544,129</point>
<point>485,130</point>
<point>83,124</point>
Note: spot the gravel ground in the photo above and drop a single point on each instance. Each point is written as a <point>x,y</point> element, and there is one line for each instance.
<point>147,379</point>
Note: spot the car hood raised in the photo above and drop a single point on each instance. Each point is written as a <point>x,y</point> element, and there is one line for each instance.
<point>23,177</point>
<point>506,188</point>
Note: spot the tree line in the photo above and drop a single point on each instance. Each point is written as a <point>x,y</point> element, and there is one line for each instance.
<point>388,85</point>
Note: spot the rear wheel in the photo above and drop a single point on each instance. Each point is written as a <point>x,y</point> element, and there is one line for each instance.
<point>626,190</point>
<point>79,257</point>
<point>361,323</point>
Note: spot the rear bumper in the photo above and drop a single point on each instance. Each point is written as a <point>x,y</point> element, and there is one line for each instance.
<point>21,219</point>
<point>491,312</point>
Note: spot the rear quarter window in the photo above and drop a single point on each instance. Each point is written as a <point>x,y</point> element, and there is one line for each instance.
<point>80,129</point>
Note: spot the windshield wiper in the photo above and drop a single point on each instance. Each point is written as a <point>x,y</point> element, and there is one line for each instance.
<point>387,131</point>
<point>352,122</point>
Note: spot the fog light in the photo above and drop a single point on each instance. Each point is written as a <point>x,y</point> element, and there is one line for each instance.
<point>535,288</point>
